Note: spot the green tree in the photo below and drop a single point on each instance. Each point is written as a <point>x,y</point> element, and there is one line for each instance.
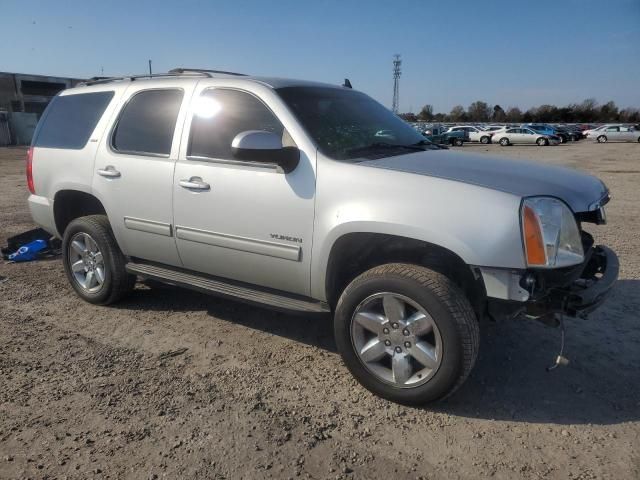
<point>514,115</point>
<point>426,114</point>
<point>499,114</point>
<point>458,114</point>
<point>608,112</point>
<point>479,112</point>
<point>408,117</point>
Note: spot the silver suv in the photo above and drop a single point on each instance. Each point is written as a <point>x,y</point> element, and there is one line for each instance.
<point>309,197</point>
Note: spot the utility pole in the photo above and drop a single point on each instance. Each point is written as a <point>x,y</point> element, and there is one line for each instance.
<point>397,63</point>
<point>150,72</point>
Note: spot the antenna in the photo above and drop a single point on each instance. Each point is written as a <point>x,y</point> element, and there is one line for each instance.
<point>397,63</point>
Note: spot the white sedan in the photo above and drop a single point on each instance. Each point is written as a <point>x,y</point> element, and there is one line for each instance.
<point>616,133</point>
<point>512,136</point>
<point>475,134</point>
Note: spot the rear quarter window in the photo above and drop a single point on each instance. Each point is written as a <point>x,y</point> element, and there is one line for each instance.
<point>69,120</point>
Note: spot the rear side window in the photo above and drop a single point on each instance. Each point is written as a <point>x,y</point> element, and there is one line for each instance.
<point>147,122</point>
<point>70,119</point>
<point>222,114</point>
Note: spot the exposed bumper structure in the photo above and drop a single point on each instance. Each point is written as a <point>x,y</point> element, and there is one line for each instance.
<point>594,285</point>
<point>574,291</point>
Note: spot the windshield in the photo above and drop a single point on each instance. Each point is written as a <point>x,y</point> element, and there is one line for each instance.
<point>346,124</point>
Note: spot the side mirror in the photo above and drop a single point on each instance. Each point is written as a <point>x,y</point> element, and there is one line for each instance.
<point>266,147</point>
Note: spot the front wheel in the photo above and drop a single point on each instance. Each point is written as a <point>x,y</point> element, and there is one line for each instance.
<point>406,333</point>
<point>542,142</point>
<point>458,142</point>
<point>93,262</point>
<point>602,139</point>
<point>504,142</point>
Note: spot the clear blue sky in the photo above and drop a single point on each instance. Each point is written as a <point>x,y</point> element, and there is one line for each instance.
<point>454,52</point>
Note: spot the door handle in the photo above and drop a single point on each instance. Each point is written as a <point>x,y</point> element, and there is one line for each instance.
<point>109,172</point>
<point>194,183</point>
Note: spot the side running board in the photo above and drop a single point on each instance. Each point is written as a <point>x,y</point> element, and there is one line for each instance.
<point>227,288</point>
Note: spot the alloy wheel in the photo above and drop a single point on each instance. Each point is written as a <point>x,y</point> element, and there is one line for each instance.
<point>86,262</point>
<point>396,340</point>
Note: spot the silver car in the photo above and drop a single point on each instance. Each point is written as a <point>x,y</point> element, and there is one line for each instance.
<point>307,197</point>
<point>512,136</point>
<point>617,133</point>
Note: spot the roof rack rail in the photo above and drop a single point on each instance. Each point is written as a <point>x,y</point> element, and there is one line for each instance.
<point>99,80</point>
<point>203,70</point>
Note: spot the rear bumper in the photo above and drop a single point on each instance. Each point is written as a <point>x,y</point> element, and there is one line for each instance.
<point>42,213</point>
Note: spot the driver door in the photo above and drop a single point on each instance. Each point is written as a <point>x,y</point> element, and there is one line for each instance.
<point>241,220</point>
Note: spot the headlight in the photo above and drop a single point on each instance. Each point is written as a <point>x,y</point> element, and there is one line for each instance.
<point>550,233</point>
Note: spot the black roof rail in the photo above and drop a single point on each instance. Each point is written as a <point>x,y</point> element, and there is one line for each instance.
<point>100,80</point>
<point>203,70</point>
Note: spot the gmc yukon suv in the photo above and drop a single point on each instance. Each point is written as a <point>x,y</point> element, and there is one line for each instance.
<point>309,197</point>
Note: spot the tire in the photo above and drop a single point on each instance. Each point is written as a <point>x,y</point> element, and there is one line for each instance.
<point>504,141</point>
<point>638,139</point>
<point>458,142</point>
<point>563,139</point>
<point>453,339</point>
<point>80,260</point>
<point>542,142</point>
<point>484,140</point>
<point>602,139</point>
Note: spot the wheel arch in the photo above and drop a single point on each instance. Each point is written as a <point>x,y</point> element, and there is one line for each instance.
<point>356,252</point>
<point>69,204</point>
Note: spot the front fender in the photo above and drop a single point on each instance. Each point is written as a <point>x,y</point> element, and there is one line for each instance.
<point>478,224</point>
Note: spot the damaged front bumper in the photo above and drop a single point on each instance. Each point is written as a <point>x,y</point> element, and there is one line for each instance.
<point>574,291</point>
<point>593,286</point>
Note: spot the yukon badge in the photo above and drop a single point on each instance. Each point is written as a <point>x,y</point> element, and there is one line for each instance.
<point>277,236</point>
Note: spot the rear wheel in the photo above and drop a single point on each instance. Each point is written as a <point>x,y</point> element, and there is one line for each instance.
<point>406,333</point>
<point>458,142</point>
<point>504,141</point>
<point>93,262</point>
<point>485,139</point>
<point>602,139</point>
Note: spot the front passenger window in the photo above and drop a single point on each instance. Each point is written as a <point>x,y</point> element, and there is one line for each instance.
<point>221,114</point>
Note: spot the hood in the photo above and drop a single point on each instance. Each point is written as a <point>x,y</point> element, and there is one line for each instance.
<point>580,191</point>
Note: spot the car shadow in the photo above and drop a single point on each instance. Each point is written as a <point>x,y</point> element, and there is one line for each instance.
<point>510,381</point>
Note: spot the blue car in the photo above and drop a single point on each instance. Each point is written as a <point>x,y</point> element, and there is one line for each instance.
<point>545,129</point>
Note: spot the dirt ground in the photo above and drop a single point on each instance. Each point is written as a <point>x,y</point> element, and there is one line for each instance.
<point>174,384</point>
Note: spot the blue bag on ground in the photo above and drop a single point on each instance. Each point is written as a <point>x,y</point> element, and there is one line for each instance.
<point>29,251</point>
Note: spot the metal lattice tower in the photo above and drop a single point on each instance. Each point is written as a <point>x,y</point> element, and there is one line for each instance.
<point>396,83</point>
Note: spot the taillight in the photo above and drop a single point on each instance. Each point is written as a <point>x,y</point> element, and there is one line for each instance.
<point>32,188</point>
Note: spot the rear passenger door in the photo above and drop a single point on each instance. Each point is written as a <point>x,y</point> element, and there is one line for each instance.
<point>133,174</point>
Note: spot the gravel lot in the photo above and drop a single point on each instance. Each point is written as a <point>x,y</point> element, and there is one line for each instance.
<point>172,384</point>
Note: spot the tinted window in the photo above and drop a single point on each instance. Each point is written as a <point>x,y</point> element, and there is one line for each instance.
<point>70,119</point>
<point>342,122</point>
<point>147,122</point>
<point>222,114</point>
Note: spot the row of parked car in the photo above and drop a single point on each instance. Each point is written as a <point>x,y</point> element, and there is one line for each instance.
<point>531,133</point>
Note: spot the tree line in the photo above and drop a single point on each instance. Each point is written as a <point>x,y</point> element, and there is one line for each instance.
<point>589,111</point>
